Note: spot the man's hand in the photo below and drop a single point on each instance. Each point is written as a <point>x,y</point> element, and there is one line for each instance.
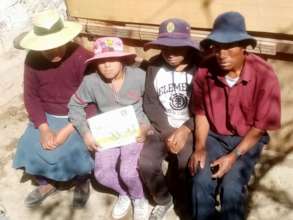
<point>47,137</point>
<point>224,163</point>
<point>177,140</point>
<point>198,158</point>
<point>90,141</point>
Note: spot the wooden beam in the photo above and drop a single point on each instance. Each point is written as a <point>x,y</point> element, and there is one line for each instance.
<point>265,46</point>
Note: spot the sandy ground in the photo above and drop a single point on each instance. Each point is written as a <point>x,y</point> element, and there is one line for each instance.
<point>270,197</point>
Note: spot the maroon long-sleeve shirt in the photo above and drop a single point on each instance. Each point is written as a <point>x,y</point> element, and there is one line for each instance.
<point>49,86</point>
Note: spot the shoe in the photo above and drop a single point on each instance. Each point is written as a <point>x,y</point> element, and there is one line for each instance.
<point>81,195</point>
<point>36,197</point>
<point>140,209</point>
<point>121,207</point>
<point>3,213</point>
<point>159,211</point>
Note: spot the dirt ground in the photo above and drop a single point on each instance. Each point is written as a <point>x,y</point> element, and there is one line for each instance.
<point>270,197</point>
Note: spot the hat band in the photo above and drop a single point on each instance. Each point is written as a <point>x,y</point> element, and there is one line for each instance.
<point>44,31</point>
<point>111,49</point>
<point>175,35</point>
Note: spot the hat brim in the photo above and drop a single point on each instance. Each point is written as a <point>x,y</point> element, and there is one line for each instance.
<point>226,38</point>
<point>170,42</point>
<point>111,54</point>
<point>35,42</point>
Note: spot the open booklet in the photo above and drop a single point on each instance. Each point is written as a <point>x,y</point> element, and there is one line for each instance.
<point>115,128</point>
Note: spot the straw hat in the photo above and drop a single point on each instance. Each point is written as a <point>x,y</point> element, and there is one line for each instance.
<point>49,31</point>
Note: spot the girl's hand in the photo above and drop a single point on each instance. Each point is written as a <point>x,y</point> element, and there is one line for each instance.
<point>47,137</point>
<point>90,142</point>
<point>143,132</point>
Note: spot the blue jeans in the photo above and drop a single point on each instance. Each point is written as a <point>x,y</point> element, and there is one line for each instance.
<point>232,187</point>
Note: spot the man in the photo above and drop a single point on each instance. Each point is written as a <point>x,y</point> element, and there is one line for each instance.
<point>236,100</point>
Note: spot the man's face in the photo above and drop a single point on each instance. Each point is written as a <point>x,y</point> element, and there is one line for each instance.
<point>230,57</point>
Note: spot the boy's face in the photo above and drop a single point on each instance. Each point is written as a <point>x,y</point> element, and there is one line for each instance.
<point>54,55</point>
<point>110,68</point>
<point>174,56</point>
<point>229,56</point>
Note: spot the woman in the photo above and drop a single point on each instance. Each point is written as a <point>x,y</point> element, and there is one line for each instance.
<point>54,68</point>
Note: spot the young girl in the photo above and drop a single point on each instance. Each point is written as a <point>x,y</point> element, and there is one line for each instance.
<point>113,86</point>
<point>54,68</point>
<point>166,104</point>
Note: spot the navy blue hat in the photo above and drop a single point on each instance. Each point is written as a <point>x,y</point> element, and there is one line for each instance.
<point>228,28</point>
<point>173,32</point>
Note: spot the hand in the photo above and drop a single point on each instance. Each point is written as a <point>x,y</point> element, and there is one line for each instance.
<point>90,142</point>
<point>143,132</point>
<point>224,163</point>
<point>177,140</point>
<point>198,158</point>
<point>47,137</point>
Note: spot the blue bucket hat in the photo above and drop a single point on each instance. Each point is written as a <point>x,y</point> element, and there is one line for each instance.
<point>173,32</point>
<point>228,28</point>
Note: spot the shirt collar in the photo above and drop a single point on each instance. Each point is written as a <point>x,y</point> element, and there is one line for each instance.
<point>247,69</point>
<point>245,75</point>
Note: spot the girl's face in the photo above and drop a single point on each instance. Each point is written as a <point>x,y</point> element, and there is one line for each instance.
<point>110,68</point>
<point>54,55</point>
<point>174,56</point>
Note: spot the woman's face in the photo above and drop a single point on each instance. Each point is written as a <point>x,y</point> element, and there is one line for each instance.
<point>174,56</point>
<point>54,55</point>
<point>110,68</point>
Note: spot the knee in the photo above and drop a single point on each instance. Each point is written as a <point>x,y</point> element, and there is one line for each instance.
<point>129,176</point>
<point>147,166</point>
<point>233,192</point>
<point>203,181</point>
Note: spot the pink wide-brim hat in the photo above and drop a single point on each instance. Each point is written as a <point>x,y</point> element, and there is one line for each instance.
<point>109,47</point>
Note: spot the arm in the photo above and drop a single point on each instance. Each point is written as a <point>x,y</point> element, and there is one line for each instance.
<point>226,162</point>
<point>32,99</point>
<point>77,114</point>
<point>33,105</point>
<point>198,157</point>
<point>202,126</point>
<point>63,134</point>
<point>153,108</point>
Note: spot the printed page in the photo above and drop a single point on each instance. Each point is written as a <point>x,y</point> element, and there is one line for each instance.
<point>115,128</point>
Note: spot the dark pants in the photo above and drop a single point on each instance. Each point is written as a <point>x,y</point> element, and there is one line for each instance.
<point>150,166</point>
<point>232,187</point>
